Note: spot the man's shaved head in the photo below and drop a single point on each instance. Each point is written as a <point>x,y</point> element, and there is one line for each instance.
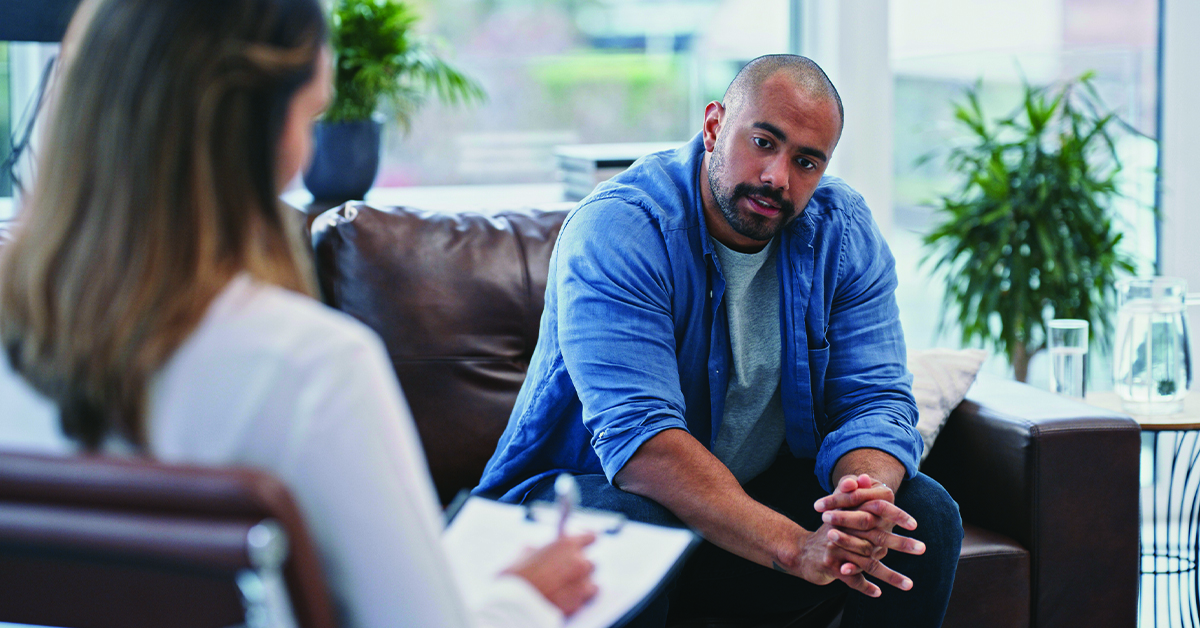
<point>801,70</point>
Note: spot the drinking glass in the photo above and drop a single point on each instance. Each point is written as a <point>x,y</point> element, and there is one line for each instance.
<point>1068,354</point>
<point>1152,365</point>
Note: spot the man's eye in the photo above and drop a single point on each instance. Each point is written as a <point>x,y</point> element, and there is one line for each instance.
<point>761,143</point>
<point>806,164</point>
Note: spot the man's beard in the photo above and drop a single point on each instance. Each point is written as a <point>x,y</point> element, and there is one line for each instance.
<point>750,224</point>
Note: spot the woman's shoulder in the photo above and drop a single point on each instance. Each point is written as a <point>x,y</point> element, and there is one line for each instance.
<point>255,332</point>
<point>259,316</point>
<point>261,362</point>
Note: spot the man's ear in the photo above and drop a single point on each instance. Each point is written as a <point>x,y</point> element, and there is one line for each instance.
<point>714,113</point>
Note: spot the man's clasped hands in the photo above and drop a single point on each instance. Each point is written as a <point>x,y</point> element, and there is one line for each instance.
<point>856,534</point>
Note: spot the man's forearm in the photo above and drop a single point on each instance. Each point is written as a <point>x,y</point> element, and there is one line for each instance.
<point>876,463</point>
<point>675,470</point>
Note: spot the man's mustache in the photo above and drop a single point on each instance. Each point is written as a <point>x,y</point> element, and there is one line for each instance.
<point>786,207</point>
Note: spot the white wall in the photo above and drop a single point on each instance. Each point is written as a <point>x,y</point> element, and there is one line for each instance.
<point>849,40</point>
<point>1180,239</point>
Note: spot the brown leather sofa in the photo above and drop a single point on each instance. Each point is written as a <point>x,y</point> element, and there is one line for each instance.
<point>1048,487</point>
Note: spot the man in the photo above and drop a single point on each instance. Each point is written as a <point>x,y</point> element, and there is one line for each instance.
<point>721,346</point>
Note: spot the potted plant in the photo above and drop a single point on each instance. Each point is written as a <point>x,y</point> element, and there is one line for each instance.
<point>380,62</point>
<point>1029,235</point>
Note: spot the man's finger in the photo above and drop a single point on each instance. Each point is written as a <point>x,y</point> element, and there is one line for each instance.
<point>854,499</point>
<point>848,484</point>
<point>873,514</point>
<point>881,539</point>
<point>890,512</point>
<point>851,519</point>
<point>861,584</point>
<point>875,569</point>
<point>850,543</point>
<point>885,573</point>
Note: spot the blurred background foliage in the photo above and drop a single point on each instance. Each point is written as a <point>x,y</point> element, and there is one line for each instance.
<point>1031,231</point>
<point>5,121</point>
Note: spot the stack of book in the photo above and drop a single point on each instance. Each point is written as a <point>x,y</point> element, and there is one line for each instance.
<point>582,167</point>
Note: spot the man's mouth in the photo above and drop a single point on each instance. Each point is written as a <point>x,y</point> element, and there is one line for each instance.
<point>763,205</point>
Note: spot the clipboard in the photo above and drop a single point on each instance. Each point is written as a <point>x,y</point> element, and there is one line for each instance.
<point>634,561</point>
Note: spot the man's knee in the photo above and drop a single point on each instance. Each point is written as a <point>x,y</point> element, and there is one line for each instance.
<point>939,523</point>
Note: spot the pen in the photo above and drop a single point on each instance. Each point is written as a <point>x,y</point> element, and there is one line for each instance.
<point>566,493</point>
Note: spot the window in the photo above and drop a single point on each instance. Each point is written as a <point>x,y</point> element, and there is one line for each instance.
<point>1040,41</point>
<point>23,22</point>
<point>20,79</point>
<point>575,72</point>
<point>940,47</point>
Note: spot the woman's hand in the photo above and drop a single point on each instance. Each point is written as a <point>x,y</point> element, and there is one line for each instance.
<point>560,572</point>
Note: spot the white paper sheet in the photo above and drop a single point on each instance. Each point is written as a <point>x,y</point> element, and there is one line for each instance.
<point>486,537</point>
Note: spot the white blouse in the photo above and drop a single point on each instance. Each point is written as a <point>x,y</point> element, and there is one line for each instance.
<point>277,381</point>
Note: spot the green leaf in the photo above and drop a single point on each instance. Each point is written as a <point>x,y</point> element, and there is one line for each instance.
<point>381,61</point>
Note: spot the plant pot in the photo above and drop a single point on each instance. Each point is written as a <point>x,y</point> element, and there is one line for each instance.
<point>345,160</point>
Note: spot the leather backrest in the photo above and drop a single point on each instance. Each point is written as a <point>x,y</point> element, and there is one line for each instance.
<point>457,299</point>
<point>62,566</point>
<point>75,521</point>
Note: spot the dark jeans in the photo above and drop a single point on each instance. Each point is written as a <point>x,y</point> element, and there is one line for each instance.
<point>715,582</point>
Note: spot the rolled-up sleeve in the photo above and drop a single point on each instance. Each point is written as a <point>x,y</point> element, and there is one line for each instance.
<point>615,326</point>
<point>868,389</point>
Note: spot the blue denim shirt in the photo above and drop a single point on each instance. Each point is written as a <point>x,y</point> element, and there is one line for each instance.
<point>634,338</point>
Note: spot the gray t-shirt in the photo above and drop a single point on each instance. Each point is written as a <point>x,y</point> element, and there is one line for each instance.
<point>752,430</point>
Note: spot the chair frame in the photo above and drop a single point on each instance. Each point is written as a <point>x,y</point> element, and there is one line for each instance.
<point>92,541</point>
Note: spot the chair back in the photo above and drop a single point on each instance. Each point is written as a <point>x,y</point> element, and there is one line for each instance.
<point>97,542</point>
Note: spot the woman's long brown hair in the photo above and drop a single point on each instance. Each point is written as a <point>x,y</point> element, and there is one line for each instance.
<point>156,185</point>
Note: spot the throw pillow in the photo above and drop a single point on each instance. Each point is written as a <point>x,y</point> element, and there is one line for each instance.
<point>941,378</point>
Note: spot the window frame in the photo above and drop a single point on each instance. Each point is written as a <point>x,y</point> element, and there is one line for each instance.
<point>1179,132</point>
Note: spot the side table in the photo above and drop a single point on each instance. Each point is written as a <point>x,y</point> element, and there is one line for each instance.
<point>1170,528</point>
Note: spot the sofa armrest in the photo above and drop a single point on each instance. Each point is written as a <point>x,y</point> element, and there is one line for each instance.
<point>1061,478</point>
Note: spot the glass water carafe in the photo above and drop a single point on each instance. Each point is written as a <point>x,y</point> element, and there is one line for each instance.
<point>1152,365</point>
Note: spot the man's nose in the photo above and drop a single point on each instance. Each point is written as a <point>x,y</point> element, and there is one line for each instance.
<point>775,174</point>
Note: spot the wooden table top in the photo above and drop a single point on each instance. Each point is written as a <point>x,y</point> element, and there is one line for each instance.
<point>1187,419</point>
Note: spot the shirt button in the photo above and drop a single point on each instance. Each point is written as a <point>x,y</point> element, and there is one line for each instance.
<point>710,294</point>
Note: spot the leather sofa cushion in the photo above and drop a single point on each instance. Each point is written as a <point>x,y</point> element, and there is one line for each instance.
<point>993,582</point>
<point>457,299</point>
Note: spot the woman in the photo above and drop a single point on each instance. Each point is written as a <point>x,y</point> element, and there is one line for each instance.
<point>154,292</point>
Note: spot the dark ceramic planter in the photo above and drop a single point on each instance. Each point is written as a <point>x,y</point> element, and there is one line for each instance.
<point>345,160</point>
